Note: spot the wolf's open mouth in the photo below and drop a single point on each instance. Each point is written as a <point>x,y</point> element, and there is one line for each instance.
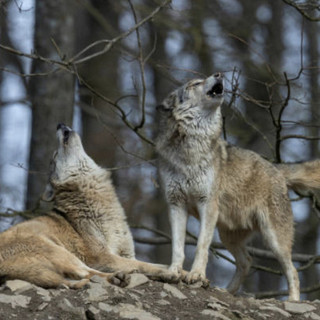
<point>65,132</point>
<point>217,89</point>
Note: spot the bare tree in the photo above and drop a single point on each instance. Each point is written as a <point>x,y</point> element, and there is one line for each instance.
<point>52,91</point>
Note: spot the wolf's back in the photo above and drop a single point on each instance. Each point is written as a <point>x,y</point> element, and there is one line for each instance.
<point>303,178</point>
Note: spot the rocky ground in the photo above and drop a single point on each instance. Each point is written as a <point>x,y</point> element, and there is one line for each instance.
<point>143,299</point>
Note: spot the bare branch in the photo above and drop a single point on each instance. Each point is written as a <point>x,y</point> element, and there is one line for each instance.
<point>304,8</point>
<point>278,123</point>
<point>272,294</point>
<point>142,73</point>
<point>298,136</point>
<point>110,43</point>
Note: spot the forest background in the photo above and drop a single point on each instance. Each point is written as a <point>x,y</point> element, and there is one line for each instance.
<point>103,66</point>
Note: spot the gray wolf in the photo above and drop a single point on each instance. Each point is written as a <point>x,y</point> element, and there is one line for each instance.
<point>222,185</point>
<point>85,234</point>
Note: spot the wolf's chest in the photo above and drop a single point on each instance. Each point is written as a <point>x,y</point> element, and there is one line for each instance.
<point>189,183</point>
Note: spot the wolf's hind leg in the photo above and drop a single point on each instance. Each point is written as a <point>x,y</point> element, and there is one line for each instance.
<point>117,263</point>
<point>71,267</point>
<point>235,242</point>
<point>279,239</point>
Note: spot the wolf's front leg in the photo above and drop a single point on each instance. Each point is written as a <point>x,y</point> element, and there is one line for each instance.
<point>208,214</point>
<point>178,218</point>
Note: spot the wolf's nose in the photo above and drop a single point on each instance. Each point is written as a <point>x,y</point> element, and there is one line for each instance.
<point>218,75</point>
<point>60,126</point>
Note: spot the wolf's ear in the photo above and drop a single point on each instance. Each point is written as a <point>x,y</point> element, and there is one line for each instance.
<point>48,194</point>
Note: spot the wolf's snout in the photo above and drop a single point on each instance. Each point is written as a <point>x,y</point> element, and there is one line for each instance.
<point>63,127</point>
<point>65,131</point>
<point>218,75</point>
<point>60,126</point>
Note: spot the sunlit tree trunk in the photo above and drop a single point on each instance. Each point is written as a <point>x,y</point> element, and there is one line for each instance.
<point>52,95</point>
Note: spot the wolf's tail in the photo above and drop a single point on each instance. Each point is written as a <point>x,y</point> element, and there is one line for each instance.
<point>303,178</point>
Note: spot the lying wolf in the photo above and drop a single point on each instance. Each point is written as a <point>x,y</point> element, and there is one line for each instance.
<point>222,185</point>
<point>86,233</point>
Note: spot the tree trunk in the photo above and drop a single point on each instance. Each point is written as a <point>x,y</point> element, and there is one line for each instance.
<point>52,95</point>
<point>309,236</point>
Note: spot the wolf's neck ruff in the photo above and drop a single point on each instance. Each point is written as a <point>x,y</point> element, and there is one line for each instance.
<point>189,136</point>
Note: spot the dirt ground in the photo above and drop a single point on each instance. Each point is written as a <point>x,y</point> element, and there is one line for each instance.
<point>144,300</point>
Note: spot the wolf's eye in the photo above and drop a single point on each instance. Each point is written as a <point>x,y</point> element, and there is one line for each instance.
<point>196,83</point>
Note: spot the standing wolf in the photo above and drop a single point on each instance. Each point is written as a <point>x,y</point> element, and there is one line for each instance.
<point>221,185</point>
<point>86,233</point>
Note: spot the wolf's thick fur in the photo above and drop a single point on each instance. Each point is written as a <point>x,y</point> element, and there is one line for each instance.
<point>86,234</point>
<point>222,185</point>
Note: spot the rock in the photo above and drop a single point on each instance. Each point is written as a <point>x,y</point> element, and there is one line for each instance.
<point>42,306</point>
<point>101,280</point>
<point>195,285</point>
<point>65,305</point>
<point>93,310</point>
<point>44,293</point>
<point>215,314</point>
<point>105,307</point>
<point>312,316</point>
<point>96,292</point>
<point>15,301</point>
<point>18,286</point>
<point>137,279</point>
<point>215,306</point>
<point>163,294</point>
<point>92,313</point>
<point>276,309</point>
<point>133,296</point>
<point>128,311</point>
<point>162,302</point>
<point>174,291</point>
<point>55,292</point>
<point>217,301</point>
<point>295,307</point>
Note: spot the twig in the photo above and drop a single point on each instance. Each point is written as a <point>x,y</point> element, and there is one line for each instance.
<point>278,123</point>
<point>110,43</point>
<point>142,73</point>
<point>122,114</point>
<point>301,11</point>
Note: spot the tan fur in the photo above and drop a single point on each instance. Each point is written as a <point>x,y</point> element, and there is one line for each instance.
<point>86,234</point>
<point>303,178</point>
<point>224,186</point>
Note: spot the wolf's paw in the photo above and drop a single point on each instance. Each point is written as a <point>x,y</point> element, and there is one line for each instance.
<point>175,269</point>
<point>165,276</point>
<point>195,276</point>
<point>170,277</point>
<point>120,279</point>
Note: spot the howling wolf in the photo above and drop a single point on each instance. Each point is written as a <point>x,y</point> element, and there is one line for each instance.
<point>222,185</point>
<point>85,234</point>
